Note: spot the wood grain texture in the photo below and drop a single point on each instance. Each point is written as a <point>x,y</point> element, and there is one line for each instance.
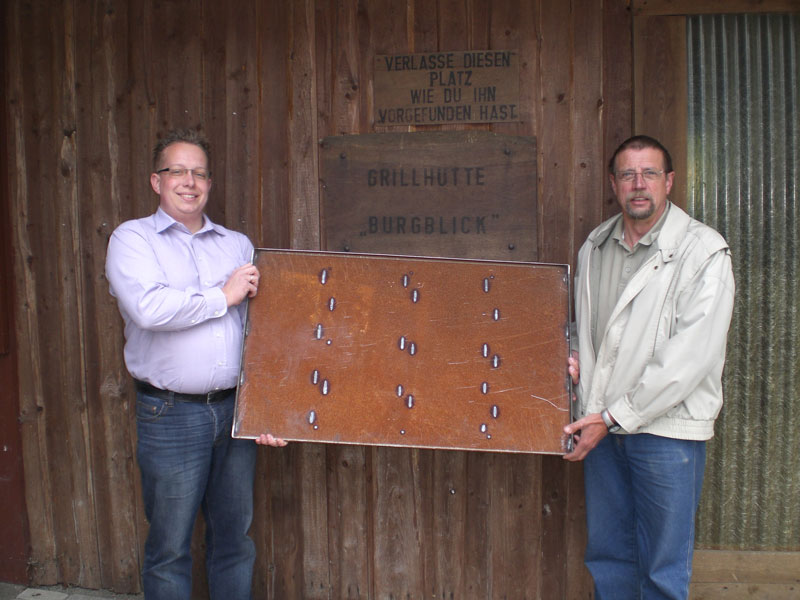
<point>38,489</point>
<point>272,149</point>
<point>617,109</point>
<point>711,7</point>
<point>110,439</point>
<point>557,196</point>
<point>738,575</point>
<point>660,93</point>
<point>723,566</point>
<point>90,87</point>
<point>14,530</point>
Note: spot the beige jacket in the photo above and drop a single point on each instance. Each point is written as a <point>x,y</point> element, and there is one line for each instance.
<point>659,367</point>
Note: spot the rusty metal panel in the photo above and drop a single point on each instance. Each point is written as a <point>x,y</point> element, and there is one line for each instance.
<point>403,351</point>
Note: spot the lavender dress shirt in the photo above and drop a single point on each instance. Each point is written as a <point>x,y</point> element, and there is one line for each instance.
<point>179,333</point>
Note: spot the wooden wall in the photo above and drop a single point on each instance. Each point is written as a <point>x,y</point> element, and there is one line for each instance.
<point>90,84</point>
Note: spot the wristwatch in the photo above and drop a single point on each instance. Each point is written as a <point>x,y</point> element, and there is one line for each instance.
<point>612,425</point>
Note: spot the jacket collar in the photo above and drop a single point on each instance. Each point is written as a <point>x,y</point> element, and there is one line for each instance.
<point>673,231</point>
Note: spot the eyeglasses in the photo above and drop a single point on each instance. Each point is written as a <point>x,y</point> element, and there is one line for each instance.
<point>648,174</point>
<point>201,174</point>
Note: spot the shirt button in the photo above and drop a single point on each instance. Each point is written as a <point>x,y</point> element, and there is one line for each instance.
<point>216,313</point>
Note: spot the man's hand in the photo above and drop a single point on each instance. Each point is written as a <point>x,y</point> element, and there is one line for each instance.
<point>587,433</point>
<point>266,439</point>
<point>574,367</point>
<point>242,283</point>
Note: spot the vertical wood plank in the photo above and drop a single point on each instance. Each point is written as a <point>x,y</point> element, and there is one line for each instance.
<point>588,172</point>
<point>173,57</point>
<point>230,115</point>
<point>556,198</point>
<point>311,477</point>
<point>348,72</point>
<point>302,128</point>
<point>38,490</point>
<point>579,584</point>
<point>280,533</point>
<point>14,529</point>
<point>103,105</point>
<point>424,26</point>
<point>514,26</point>
<point>660,93</point>
<point>348,529</point>
<point>477,552</point>
<point>398,492</point>
<point>340,106</point>
<point>457,31</point>
<point>82,567</point>
<point>387,32</point>
<point>273,149</point>
<point>556,209</point>
<point>133,198</point>
<point>617,95</point>
<point>449,492</point>
<point>398,554</point>
<point>277,525</point>
<point>514,526</point>
<point>144,81</point>
<point>304,233</point>
<point>49,130</point>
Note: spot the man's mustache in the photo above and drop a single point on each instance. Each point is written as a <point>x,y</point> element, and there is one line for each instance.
<point>632,196</point>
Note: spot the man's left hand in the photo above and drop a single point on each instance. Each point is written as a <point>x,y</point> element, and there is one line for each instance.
<point>241,284</point>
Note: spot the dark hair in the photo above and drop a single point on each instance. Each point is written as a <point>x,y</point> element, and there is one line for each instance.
<point>639,142</point>
<point>188,136</point>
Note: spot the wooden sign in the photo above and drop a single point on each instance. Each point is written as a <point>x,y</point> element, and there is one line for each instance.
<point>465,194</point>
<point>401,351</point>
<point>471,86</point>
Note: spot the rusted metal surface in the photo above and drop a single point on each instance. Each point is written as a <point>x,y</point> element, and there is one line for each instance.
<point>401,351</point>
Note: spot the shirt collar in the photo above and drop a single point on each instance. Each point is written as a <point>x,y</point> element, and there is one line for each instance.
<point>648,239</point>
<point>164,221</point>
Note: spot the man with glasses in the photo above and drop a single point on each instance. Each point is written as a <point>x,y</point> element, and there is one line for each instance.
<point>654,295</point>
<point>180,281</point>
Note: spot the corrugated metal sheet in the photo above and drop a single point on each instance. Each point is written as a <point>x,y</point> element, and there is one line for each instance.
<point>744,163</point>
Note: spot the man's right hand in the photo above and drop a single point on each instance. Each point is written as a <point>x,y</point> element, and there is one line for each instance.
<point>587,433</point>
<point>574,367</point>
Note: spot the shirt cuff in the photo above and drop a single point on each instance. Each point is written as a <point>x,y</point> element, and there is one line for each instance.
<point>216,302</point>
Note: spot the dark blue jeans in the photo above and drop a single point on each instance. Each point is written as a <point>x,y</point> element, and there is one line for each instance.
<point>642,493</point>
<point>189,461</point>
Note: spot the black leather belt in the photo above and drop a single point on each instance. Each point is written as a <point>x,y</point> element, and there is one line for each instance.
<point>208,398</point>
